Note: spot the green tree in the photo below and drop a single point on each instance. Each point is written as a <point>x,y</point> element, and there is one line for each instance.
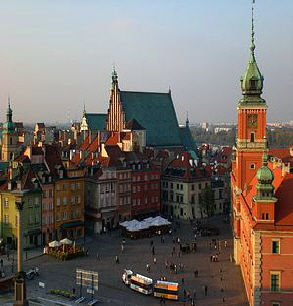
<point>207,201</point>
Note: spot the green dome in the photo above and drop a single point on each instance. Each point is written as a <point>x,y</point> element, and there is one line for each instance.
<point>265,175</point>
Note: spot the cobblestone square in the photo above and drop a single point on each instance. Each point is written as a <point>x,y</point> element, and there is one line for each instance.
<point>223,278</point>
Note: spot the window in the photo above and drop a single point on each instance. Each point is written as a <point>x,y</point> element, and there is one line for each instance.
<point>192,187</point>
<point>58,216</point>
<point>252,136</point>
<point>64,200</point>
<point>77,185</point>
<point>220,193</point>
<point>58,187</point>
<point>50,193</point>
<point>252,166</point>
<point>6,202</point>
<point>72,186</point>
<point>6,219</point>
<point>275,281</point>
<point>276,304</point>
<point>171,185</point>
<point>44,193</point>
<point>36,201</point>
<point>64,215</point>
<point>199,186</point>
<point>58,202</point>
<point>276,246</point>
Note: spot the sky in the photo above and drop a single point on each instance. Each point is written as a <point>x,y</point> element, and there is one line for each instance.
<point>57,55</point>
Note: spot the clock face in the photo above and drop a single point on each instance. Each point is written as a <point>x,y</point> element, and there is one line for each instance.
<point>252,120</point>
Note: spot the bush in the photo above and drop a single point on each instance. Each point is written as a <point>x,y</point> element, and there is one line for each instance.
<point>63,293</point>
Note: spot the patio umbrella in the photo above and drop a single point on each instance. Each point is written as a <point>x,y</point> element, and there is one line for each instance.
<point>54,244</point>
<point>66,241</point>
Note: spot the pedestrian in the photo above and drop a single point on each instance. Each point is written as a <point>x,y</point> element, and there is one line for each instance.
<point>230,258</point>
<point>155,260</point>
<point>205,290</point>
<point>98,256</point>
<point>1,262</point>
<point>194,295</point>
<point>117,259</point>
<point>182,280</point>
<point>73,290</point>
<point>153,250</point>
<point>152,243</point>
<point>122,248</point>
<point>226,243</point>
<point>166,264</point>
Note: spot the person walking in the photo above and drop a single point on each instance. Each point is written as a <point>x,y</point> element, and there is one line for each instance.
<point>98,257</point>
<point>155,260</point>
<point>1,262</point>
<point>117,259</point>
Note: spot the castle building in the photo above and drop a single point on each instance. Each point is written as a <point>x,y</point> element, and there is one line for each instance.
<point>261,189</point>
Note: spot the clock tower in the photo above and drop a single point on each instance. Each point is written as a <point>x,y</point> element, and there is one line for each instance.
<point>251,133</point>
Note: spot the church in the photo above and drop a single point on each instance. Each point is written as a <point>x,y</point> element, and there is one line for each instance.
<point>262,192</point>
<point>139,120</point>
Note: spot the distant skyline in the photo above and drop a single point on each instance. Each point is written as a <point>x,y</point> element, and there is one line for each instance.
<point>57,55</point>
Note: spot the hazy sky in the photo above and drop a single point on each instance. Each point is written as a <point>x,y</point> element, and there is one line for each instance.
<point>57,54</point>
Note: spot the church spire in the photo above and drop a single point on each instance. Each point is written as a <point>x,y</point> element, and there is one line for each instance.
<point>252,80</point>
<point>187,120</point>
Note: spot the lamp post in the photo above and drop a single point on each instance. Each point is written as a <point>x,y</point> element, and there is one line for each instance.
<point>20,287</point>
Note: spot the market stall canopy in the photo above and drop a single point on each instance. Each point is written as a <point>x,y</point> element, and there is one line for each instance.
<point>54,244</point>
<point>66,241</point>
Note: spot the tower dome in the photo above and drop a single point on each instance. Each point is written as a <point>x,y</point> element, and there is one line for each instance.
<point>264,174</point>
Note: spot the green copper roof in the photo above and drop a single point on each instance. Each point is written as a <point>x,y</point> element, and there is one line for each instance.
<point>156,113</point>
<point>252,80</point>
<point>8,126</point>
<point>265,174</point>
<point>96,122</point>
<point>187,139</point>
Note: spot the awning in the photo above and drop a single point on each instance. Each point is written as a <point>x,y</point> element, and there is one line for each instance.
<point>72,224</point>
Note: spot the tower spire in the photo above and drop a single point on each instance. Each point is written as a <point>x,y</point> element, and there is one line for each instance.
<point>252,80</point>
<point>252,45</point>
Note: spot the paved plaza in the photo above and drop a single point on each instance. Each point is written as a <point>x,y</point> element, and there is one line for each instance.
<point>222,278</point>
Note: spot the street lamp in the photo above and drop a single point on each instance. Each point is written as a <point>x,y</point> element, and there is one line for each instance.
<point>20,287</point>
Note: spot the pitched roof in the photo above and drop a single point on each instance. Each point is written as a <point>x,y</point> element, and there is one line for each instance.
<point>96,122</point>
<point>156,113</point>
<point>187,139</point>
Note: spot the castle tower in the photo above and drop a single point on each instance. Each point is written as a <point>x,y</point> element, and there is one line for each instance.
<point>116,115</point>
<point>9,137</point>
<point>264,208</point>
<point>251,133</point>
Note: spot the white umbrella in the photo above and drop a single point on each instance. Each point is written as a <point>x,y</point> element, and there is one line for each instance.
<point>66,241</point>
<point>54,244</point>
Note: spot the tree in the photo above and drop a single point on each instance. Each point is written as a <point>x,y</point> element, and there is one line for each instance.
<point>207,201</point>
